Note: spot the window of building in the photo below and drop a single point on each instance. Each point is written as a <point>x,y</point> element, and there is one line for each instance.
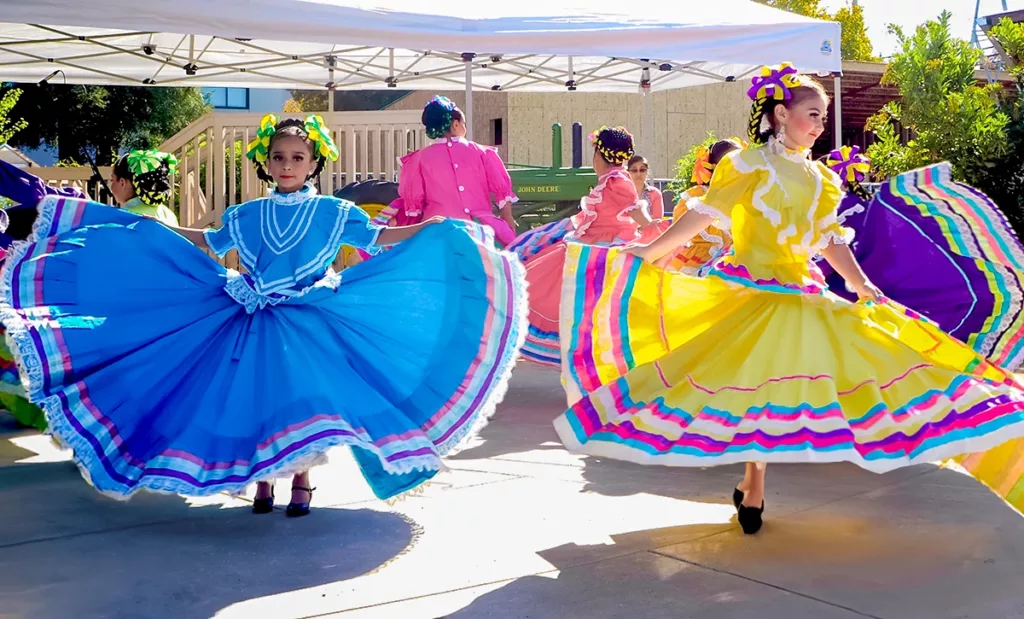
<point>228,98</point>
<point>497,132</point>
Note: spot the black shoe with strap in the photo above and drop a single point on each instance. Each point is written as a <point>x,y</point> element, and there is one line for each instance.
<point>264,505</point>
<point>297,510</point>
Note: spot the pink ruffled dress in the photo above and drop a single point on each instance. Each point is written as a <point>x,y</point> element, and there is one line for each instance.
<point>604,219</point>
<point>456,179</point>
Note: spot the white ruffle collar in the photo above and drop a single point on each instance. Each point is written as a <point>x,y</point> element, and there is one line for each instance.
<point>294,197</point>
<point>778,148</point>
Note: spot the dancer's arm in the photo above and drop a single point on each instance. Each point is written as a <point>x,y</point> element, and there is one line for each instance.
<point>394,236</point>
<point>640,216</point>
<point>842,260</point>
<point>194,235</point>
<point>679,233</point>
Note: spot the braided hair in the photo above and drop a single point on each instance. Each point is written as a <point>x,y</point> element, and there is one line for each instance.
<point>150,179</point>
<point>764,109</point>
<point>438,115</point>
<point>614,144</point>
<point>290,127</point>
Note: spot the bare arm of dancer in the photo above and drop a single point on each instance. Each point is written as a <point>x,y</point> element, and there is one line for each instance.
<point>842,260</point>
<point>679,233</point>
<point>640,216</point>
<point>394,236</point>
<point>506,214</point>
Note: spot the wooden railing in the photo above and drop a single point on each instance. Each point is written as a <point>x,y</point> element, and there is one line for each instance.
<point>214,174</point>
<point>369,145</point>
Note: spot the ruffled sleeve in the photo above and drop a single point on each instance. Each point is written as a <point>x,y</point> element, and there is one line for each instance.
<point>221,240</point>
<point>729,187</point>
<point>828,230</point>
<point>499,183</point>
<point>619,197</point>
<point>359,231</point>
<point>411,184</point>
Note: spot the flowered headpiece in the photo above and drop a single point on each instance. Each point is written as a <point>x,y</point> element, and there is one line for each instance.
<point>151,189</point>
<point>614,143</point>
<point>702,167</point>
<point>142,161</point>
<point>774,83</point>
<point>852,167</point>
<point>323,146</point>
<point>438,115</point>
<point>849,164</point>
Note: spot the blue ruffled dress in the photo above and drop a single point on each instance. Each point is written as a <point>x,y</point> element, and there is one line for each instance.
<point>165,371</point>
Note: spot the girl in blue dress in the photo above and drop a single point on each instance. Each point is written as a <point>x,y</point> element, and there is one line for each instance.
<point>236,378</point>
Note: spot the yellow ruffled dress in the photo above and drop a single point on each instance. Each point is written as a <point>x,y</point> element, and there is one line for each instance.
<point>757,361</point>
<point>709,244</point>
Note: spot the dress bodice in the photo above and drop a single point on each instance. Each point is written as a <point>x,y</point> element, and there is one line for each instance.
<point>287,241</point>
<point>605,212</point>
<point>781,209</point>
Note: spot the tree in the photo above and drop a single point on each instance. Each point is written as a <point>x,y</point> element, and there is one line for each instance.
<point>954,118</point>
<point>104,120</point>
<point>855,43</point>
<point>345,100</point>
<point>9,127</point>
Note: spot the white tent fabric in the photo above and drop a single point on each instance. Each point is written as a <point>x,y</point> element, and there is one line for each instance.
<point>529,45</point>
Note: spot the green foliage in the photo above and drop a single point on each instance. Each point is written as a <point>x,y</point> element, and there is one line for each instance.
<point>953,117</point>
<point>104,120</point>
<point>855,43</point>
<point>684,167</point>
<point>1010,37</point>
<point>9,126</point>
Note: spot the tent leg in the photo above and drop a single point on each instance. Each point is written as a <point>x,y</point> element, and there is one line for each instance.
<point>838,117</point>
<point>469,98</point>
<point>647,127</point>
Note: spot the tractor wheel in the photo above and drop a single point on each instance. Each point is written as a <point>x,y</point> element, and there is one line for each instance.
<point>371,196</point>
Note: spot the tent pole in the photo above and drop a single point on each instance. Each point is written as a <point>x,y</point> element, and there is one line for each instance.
<point>647,123</point>
<point>838,131</point>
<point>468,59</point>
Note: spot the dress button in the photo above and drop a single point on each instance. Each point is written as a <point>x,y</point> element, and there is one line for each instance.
<point>456,166</point>
<point>465,210</point>
<point>461,188</point>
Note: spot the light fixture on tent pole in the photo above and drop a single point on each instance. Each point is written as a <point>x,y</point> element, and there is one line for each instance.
<point>647,123</point>
<point>46,80</point>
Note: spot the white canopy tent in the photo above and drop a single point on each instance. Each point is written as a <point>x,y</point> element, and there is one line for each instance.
<point>531,45</point>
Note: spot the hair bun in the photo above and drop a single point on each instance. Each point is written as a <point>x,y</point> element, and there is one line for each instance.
<point>438,115</point>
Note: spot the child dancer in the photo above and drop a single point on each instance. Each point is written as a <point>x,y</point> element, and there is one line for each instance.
<point>245,377</point>
<point>453,177</point>
<point>711,242</point>
<point>755,363</point>
<point>610,215</point>
<point>140,183</point>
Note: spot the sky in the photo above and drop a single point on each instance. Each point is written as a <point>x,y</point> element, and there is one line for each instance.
<point>878,14</point>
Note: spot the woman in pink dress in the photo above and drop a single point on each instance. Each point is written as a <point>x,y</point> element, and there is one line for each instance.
<point>453,177</point>
<point>612,214</point>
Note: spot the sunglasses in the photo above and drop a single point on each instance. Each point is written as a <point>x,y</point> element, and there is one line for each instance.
<point>638,169</point>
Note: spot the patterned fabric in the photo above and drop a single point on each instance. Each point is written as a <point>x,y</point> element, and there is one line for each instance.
<point>604,218</point>
<point>238,378</point>
<point>870,383</point>
<point>946,250</point>
<point>700,253</point>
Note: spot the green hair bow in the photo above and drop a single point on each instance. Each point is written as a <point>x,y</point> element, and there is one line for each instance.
<point>259,149</point>
<point>321,136</point>
<point>145,161</point>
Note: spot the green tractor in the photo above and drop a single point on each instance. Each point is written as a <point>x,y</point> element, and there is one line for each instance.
<point>545,193</point>
<point>548,194</point>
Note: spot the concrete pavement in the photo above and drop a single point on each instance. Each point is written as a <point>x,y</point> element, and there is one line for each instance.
<point>517,529</point>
